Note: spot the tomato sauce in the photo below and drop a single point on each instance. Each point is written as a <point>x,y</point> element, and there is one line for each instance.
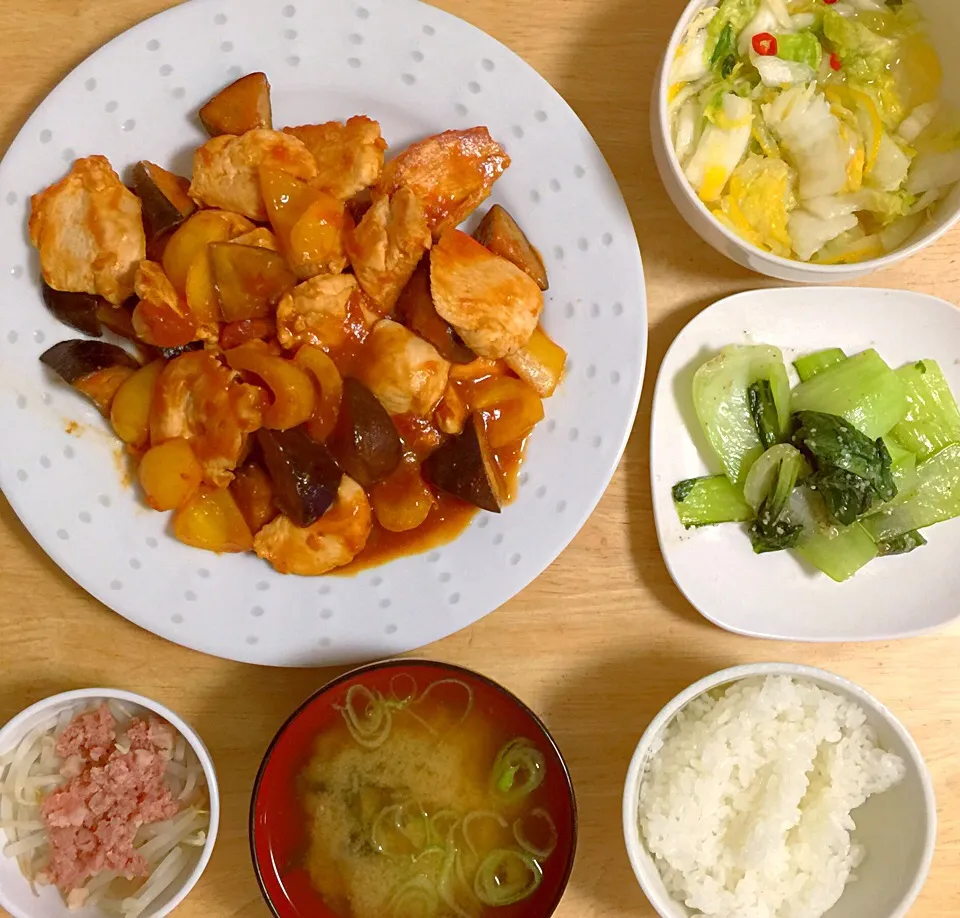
<point>448,519</point>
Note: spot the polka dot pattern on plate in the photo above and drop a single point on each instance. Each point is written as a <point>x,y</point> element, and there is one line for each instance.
<point>137,98</point>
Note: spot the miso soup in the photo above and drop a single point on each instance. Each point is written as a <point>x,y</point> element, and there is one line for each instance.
<point>432,796</point>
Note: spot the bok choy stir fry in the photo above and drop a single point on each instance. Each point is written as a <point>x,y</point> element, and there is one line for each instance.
<point>848,466</point>
<point>814,129</point>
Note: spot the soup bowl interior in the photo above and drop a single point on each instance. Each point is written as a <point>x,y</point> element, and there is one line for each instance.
<point>943,23</point>
<point>279,820</point>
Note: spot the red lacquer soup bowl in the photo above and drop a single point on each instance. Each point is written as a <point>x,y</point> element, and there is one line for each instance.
<point>279,822</point>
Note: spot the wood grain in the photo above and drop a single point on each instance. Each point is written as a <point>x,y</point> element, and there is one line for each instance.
<point>603,639</point>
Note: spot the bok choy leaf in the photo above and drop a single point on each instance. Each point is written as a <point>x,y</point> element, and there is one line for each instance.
<point>721,388</point>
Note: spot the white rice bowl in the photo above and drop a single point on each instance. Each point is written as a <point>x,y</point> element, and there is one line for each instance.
<point>746,797</point>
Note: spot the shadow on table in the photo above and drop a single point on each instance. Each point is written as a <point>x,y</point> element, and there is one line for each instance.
<point>644,545</point>
<point>597,716</point>
<point>252,704</point>
<point>617,114</point>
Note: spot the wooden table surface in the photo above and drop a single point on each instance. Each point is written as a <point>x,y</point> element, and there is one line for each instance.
<point>603,639</point>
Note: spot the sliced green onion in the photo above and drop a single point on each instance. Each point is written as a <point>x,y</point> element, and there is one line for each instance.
<point>472,818</point>
<point>468,707</point>
<point>422,858</point>
<point>449,875</point>
<point>506,877</point>
<point>519,769</point>
<point>538,851</point>
<point>371,726</point>
<point>413,828</point>
<point>441,825</point>
<point>417,898</point>
<point>402,700</point>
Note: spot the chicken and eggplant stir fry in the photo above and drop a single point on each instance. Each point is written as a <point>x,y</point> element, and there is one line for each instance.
<point>323,358</point>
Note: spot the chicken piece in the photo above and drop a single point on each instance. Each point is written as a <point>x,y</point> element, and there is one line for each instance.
<point>225,169</point>
<point>88,229</point>
<point>150,283</point>
<point>403,371</point>
<point>332,541</point>
<point>451,173</point>
<point>451,414</point>
<point>386,246</point>
<point>349,156</point>
<point>200,399</point>
<point>493,305</point>
<point>315,312</point>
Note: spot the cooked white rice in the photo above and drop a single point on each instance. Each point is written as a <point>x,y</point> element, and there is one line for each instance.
<point>746,803</point>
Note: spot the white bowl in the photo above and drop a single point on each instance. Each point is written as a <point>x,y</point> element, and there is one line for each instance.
<point>898,827</point>
<point>943,18</point>
<point>15,893</point>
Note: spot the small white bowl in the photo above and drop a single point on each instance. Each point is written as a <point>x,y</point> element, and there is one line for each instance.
<point>898,828</point>
<point>15,893</point>
<point>943,19</point>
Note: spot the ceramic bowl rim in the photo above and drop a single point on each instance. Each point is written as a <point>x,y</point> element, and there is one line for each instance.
<point>636,849</point>
<point>399,662</point>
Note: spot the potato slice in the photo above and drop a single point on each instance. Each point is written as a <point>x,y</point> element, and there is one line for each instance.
<point>212,520</point>
<point>465,467</point>
<point>511,409</point>
<point>316,239</point>
<point>286,198</point>
<point>501,234</point>
<point>249,280</point>
<point>402,501</point>
<point>130,410</point>
<point>491,303</point>
<point>415,309</point>
<point>169,474</point>
<point>193,237</point>
<point>242,106</point>
<point>451,173</point>
<point>164,197</point>
<point>539,363</point>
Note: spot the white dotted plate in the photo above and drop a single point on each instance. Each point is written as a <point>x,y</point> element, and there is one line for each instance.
<point>418,71</point>
<point>775,595</point>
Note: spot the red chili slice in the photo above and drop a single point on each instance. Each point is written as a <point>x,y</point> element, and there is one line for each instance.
<point>829,2</point>
<point>835,62</point>
<point>765,44</point>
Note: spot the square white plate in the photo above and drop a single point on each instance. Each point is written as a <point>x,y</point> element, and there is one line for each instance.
<point>777,595</point>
